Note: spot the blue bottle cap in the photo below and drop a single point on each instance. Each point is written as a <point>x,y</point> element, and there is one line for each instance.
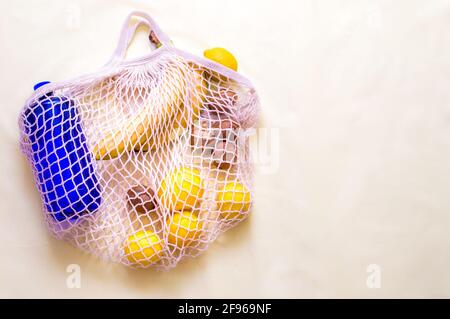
<point>39,84</point>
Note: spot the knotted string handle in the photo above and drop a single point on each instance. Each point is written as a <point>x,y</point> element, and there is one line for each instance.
<point>156,36</point>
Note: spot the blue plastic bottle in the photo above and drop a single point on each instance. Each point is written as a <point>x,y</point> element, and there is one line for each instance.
<point>61,157</point>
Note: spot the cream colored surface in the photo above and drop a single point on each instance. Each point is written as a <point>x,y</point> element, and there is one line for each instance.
<point>359,92</point>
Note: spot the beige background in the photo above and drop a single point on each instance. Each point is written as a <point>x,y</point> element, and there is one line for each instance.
<point>358,93</point>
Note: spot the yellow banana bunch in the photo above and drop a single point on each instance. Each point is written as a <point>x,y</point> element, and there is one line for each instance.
<point>154,138</point>
<point>196,99</point>
<point>153,124</point>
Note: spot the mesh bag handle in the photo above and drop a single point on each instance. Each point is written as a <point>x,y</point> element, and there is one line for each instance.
<point>156,36</point>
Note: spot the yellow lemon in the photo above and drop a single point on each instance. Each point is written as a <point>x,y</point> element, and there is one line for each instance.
<point>143,248</point>
<point>233,200</point>
<point>182,189</point>
<point>184,228</point>
<point>222,56</point>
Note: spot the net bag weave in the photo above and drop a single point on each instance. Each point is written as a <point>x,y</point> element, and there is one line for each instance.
<point>146,161</point>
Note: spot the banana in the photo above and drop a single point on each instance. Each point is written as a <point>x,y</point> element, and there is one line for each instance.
<point>151,125</point>
<point>197,98</point>
<point>154,138</point>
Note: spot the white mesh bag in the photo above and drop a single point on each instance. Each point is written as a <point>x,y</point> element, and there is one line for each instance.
<point>146,161</point>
